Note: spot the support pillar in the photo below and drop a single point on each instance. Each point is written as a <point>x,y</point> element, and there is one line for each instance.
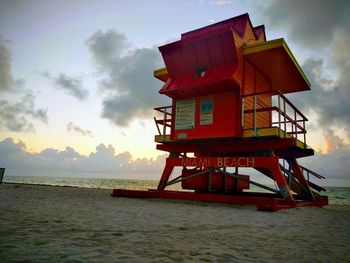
<point>165,176</point>
<point>299,175</point>
<point>281,183</point>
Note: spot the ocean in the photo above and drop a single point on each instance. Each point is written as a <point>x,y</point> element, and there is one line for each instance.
<point>336,195</point>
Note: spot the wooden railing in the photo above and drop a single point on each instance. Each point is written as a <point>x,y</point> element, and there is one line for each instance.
<point>165,121</point>
<point>289,119</point>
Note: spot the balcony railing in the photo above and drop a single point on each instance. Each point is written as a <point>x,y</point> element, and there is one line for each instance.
<point>163,122</point>
<point>284,115</point>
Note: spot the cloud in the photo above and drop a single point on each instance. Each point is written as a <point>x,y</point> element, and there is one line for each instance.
<point>71,127</point>
<point>7,82</point>
<point>213,2</point>
<point>223,2</point>
<point>333,165</point>
<point>328,98</point>
<point>313,23</point>
<point>18,115</point>
<point>107,47</point>
<point>334,142</point>
<point>103,162</point>
<point>132,91</point>
<point>5,66</point>
<point>70,85</point>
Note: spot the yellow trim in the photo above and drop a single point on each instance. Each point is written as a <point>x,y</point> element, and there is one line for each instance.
<point>159,138</point>
<point>263,46</point>
<point>301,144</point>
<point>261,132</point>
<point>271,132</point>
<point>160,72</point>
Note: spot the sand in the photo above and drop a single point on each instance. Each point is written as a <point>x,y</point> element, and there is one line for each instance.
<point>64,224</point>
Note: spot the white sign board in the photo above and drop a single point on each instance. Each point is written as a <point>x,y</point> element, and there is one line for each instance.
<point>185,114</point>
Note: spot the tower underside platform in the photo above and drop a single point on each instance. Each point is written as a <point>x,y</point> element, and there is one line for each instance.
<point>263,201</point>
<point>210,179</point>
<point>266,141</point>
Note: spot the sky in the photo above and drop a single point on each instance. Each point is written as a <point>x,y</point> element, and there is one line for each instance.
<point>77,87</point>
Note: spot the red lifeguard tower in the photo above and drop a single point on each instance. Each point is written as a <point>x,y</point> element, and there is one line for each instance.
<point>227,85</point>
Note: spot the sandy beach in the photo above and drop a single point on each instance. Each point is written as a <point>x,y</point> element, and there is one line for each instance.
<point>65,224</point>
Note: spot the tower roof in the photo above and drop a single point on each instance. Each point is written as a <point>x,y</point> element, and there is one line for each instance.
<point>210,60</point>
<point>275,61</point>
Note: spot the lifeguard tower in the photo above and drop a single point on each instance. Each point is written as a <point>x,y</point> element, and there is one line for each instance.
<point>227,85</point>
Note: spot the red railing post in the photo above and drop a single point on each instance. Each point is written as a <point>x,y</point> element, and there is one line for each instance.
<point>279,113</point>
<point>254,115</point>
<point>285,115</point>
<point>164,124</point>
<point>242,117</point>
<point>295,125</point>
<point>304,134</point>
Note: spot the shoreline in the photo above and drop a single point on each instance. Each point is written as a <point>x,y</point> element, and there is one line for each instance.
<point>332,199</point>
<point>50,185</point>
<point>154,180</point>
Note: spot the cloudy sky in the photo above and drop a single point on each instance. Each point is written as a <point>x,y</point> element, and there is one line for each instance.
<point>77,92</point>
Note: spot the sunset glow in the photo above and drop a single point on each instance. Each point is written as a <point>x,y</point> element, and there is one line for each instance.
<point>77,75</point>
